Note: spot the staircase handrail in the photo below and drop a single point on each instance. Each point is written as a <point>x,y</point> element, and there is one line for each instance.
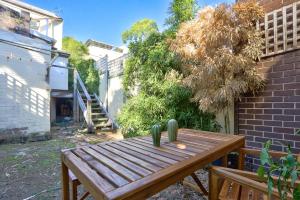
<point>86,110</point>
<point>101,104</point>
<point>82,105</point>
<point>88,97</point>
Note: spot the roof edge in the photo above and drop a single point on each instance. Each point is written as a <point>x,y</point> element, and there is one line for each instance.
<point>36,9</point>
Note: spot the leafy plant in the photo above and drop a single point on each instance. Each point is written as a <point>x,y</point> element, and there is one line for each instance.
<point>85,67</point>
<point>287,169</point>
<point>219,49</point>
<point>153,81</point>
<point>140,30</point>
<point>180,11</point>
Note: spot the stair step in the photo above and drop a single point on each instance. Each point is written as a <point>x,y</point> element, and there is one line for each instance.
<point>106,129</point>
<point>93,100</point>
<point>103,125</point>
<point>98,114</point>
<point>100,119</point>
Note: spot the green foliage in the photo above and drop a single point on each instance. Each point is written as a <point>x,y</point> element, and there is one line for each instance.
<point>140,113</point>
<point>153,81</point>
<point>88,74</point>
<point>287,169</point>
<point>140,30</point>
<point>180,11</point>
<point>76,49</point>
<point>85,67</point>
<point>161,95</point>
<point>148,63</point>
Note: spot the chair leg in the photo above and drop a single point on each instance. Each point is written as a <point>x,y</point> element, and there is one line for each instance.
<point>213,186</point>
<point>84,196</point>
<point>196,179</point>
<point>74,190</point>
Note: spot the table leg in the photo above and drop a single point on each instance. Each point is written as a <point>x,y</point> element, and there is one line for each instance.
<point>65,182</point>
<point>241,160</point>
<point>225,160</point>
<point>202,188</point>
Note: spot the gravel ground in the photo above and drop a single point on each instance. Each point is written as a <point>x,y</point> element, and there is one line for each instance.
<point>180,191</point>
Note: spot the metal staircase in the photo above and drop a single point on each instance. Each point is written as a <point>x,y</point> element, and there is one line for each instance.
<point>90,107</point>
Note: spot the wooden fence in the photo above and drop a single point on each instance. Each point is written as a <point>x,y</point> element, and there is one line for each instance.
<point>281,29</point>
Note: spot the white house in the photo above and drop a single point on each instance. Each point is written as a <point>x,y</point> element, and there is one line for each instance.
<point>41,21</point>
<point>110,62</point>
<point>33,69</point>
<point>98,50</point>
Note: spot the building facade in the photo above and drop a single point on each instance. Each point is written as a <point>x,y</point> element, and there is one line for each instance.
<point>110,61</point>
<point>32,69</point>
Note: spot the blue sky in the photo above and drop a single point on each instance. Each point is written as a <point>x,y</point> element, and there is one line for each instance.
<point>105,20</point>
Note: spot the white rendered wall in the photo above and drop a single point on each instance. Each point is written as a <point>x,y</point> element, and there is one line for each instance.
<point>96,53</point>
<point>24,92</point>
<point>58,78</point>
<point>113,94</point>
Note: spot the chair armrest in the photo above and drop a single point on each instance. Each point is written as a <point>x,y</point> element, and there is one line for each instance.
<point>256,152</point>
<point>235,177</point>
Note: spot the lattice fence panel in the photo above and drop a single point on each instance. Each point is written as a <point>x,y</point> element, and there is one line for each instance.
<point>281,29</point>
<point>115,67</point>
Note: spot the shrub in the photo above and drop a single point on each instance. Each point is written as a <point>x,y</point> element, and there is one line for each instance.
<point>171,102</point>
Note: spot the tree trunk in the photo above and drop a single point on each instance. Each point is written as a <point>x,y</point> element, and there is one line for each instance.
<point>226,121</point>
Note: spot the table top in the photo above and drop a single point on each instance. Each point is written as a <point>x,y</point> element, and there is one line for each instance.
<point>135,169</point>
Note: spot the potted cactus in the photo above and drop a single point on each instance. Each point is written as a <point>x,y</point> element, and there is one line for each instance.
<point>172,130</point>
<point>155,132</point>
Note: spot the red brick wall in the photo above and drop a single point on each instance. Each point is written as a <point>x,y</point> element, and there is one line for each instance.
<point>274,113</point>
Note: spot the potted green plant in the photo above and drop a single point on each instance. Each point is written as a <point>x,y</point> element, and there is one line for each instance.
<point>156,134</point>
<point>172,130</point>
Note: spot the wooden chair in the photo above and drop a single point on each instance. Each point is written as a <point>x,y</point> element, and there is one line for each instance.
<point>75,183</point>
<point>236,184</point>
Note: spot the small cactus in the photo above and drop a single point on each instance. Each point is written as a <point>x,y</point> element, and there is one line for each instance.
<point>172,130</point>
<point>155,132</point>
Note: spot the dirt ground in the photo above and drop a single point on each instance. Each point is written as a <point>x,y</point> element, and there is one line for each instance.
<point>32,170</point>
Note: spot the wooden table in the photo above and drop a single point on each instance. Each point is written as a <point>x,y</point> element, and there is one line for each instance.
<point>135,169</point>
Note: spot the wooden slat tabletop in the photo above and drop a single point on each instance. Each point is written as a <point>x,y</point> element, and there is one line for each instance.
<point>135,169</point>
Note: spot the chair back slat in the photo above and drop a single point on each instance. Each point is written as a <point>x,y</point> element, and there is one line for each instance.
<point>229,191</point>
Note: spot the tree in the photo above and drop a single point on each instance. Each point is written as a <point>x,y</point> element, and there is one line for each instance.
<point>140,30</point>
<point>154,69</point>
<point>85,67</point>
<point>219,50</point>
<point>180,11</point>
<point>76,49</point>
